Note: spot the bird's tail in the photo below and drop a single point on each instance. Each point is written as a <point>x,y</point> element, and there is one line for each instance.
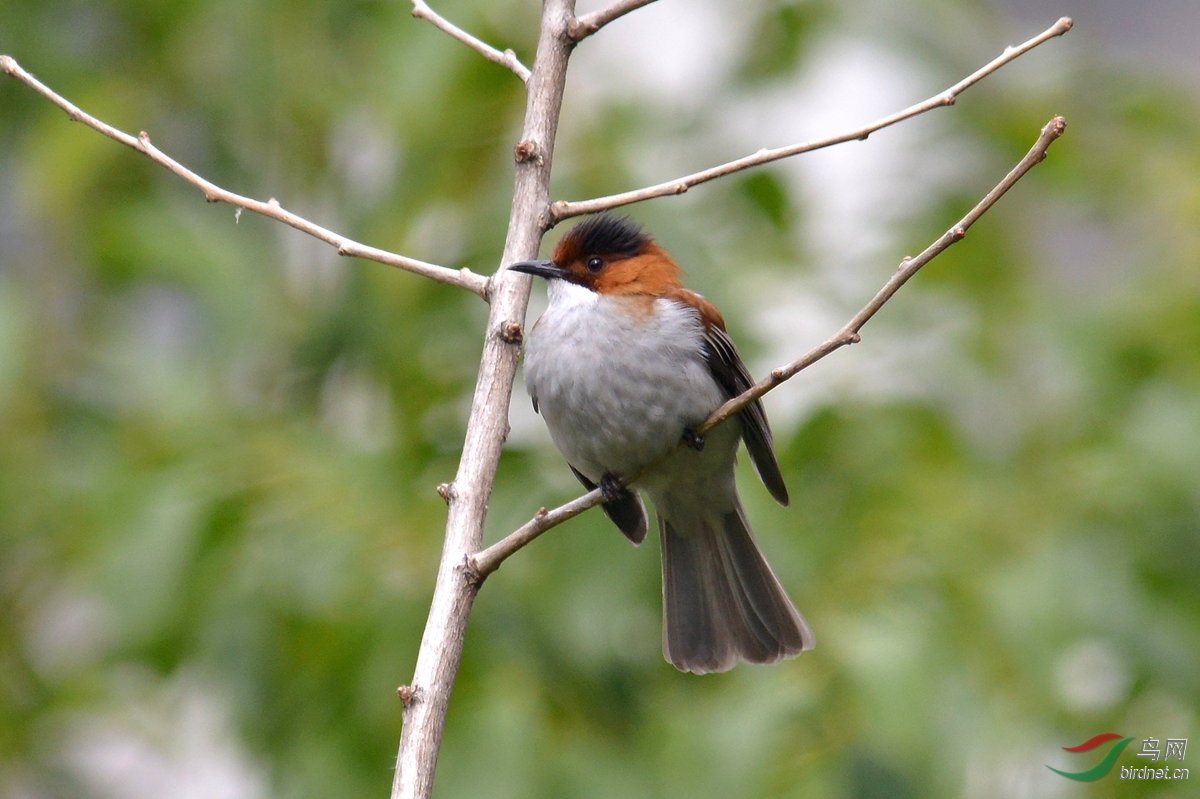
<point>721,601</point>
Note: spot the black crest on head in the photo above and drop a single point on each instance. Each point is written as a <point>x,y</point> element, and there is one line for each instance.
<point>606,234</point>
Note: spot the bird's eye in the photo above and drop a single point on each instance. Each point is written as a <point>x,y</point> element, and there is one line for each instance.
<point>594,264</point>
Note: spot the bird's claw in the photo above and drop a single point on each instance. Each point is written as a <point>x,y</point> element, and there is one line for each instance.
<point>692,440</point>
<point>611,487</point>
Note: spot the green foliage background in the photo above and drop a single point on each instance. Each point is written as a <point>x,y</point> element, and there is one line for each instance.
<point>219,443</point>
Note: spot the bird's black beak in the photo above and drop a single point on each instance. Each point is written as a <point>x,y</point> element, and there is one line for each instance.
<point>546,269</point>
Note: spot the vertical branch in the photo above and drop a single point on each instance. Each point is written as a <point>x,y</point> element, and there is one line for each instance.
<point>426,699</point>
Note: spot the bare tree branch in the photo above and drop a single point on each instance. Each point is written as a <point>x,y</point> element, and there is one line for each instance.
<point>563,209</point>
<point>849,334</point>
<point>580,28</point>
<point>463,278</point>
<point>506,58</point>
<point>483,563</point>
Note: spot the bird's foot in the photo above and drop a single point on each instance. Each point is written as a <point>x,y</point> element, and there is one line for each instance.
<point>611,487</point>
<point>692,440</point>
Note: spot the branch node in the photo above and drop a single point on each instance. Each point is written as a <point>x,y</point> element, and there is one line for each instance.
<point>512,333</point>
<point>446,492</point>
<point>958,233</point>
<point>471,572</point>
<point>526,150</point>
<point>408,695</point>
<point>578,30</point>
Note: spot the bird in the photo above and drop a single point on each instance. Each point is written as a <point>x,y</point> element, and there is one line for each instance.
<point>624,365</point>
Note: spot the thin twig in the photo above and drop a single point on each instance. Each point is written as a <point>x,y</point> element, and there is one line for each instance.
<point>483,563</point>
<point>463,278</point>
<point>849,334</point>
<point>580,28</point>
<point>563,209</point>
<point>488,560</point>
<point>505,58</point>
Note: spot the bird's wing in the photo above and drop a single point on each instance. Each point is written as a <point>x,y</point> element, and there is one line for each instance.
<point>731,374</point>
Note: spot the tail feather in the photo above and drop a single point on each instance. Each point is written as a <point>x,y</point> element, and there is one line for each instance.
<point>721,601</point>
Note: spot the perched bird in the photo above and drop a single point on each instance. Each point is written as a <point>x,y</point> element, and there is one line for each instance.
<point>624,365</point>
